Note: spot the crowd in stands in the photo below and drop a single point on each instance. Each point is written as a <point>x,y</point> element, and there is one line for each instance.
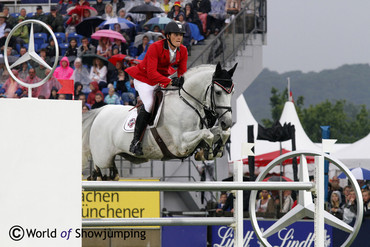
<point>98,82</point>
<point>342,202</point>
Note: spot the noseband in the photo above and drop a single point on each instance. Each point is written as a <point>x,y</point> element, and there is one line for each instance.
<point>211,116</point>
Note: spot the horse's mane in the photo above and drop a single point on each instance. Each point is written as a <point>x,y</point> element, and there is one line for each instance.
<point>202,70</point>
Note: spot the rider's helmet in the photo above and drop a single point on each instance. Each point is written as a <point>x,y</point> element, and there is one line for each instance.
<point>174,27</point>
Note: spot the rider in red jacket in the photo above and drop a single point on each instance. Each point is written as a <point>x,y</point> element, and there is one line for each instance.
<point>154,70</point>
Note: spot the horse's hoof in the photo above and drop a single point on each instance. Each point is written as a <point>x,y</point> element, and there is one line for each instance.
<point>199,155</point>
<point>116,178</point>
<point>98,178</point>
<point>89,178</point>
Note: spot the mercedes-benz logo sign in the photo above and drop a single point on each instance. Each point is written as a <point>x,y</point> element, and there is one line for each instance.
<point>31,55</point>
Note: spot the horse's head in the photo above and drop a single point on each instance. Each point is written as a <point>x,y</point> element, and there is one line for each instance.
<point>222,89</point>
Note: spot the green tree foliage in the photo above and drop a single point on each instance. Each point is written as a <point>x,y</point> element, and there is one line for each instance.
<point>348,122</point>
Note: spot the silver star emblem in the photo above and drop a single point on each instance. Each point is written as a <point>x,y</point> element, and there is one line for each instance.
<point>31,54</point>
<point>305,206</point>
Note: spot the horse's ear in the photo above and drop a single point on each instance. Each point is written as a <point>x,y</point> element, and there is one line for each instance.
<point>232,70</point>
<point>218,67</point>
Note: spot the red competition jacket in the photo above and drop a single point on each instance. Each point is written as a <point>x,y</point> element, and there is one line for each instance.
<point>156,66</point>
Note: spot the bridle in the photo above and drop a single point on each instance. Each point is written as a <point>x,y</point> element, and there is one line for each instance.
<point>210,114</point>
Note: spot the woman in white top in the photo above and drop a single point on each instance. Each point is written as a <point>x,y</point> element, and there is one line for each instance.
<point>104,48</point>
<point>109,13</point>
<point>98,73</point>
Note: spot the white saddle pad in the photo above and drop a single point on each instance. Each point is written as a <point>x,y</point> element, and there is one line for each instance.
<point>129,124</point>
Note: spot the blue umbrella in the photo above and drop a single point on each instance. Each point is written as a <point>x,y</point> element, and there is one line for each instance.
<point>359,173</point>
<point>157,21</point>
<point>124,23</point>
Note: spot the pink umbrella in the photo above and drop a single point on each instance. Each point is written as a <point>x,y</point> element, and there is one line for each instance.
<point>108,34</point>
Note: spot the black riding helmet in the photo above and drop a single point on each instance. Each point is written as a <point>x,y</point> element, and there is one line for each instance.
<point>174,27</point>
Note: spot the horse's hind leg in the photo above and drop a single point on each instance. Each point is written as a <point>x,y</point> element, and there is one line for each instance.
<point>113,172</point>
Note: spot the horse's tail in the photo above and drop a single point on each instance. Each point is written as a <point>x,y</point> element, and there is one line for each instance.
<point>87,121</point>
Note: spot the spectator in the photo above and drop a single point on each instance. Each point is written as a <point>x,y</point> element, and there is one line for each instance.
<point>117,5</point>
<point>3,24</point>
<point>23,13</point>
<point>9,19</point>
<point>222,206</point>
<point>335,186</point>
<point>23,71</point>
<point>187,35</point>
<point>86,14</point>
<point>40,71</point>
<point>99,101</point>
<point>51,48</point>
<point>216,17</point>
<point>105,47</point>
<point>85,108</point>
<point>46,88</point>
<point>82,3</point>
<point>54,93</point>
<point>366,198</point>
<point>32,79</point>
<point>100,7</point>
<point>108,12</point>
<point>124,87</point>
<point>265,205</point>
<point>61,96</point>
<point>346,191</point>
<point>72,48</point>
<point>98,73</point>
<point>64,71</point>
<point>85,48</point>
<point>94,87</point>
<point>335,204</point>
<point>121,46</point>
<point>21,34</point>
<point>191,16</point>
<point>80,74</point>
<point>39,15</point>
<point>112,98</point>
<point>63,5</point>
<point>55,20</point>
<point>166,6</point>
<point>71,24</point>
<point>175,11</point>
<point>82,97</point>
<point>350,208</point>
<point>143,47</point>
<point>121,13</point>
<point>12,41</point>
<point>11,86</point>
<point>287,201</point>
<point>77,88</point>
<point>202,7</point>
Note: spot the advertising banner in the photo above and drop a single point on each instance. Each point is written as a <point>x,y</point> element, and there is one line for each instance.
<point>300,234</point>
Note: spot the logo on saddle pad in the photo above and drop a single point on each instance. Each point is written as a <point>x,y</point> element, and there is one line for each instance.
<point>131,122</point>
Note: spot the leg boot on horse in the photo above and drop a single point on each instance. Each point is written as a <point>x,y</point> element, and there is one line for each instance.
<point>140,126</point>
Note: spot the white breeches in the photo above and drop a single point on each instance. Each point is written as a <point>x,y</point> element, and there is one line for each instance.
<point>146,93</point>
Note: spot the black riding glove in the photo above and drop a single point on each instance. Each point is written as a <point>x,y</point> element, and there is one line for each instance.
<point>177,82</point>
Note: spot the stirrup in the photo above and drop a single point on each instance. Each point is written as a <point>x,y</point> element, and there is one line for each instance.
<point>136,148</point>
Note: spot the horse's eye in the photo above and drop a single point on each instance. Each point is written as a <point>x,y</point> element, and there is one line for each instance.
<point>218,93</point>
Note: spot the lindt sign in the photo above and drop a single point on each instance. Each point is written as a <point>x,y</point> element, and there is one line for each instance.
<point>299,234</point>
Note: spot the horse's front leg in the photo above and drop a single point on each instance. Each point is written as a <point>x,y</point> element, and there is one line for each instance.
<point>220,138</point>
<point>190,140</point>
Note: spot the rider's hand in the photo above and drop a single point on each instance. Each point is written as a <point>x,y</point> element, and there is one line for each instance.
<point>177,82</point>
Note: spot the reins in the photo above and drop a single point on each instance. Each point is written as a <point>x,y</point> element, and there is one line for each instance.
<point>210,114</point>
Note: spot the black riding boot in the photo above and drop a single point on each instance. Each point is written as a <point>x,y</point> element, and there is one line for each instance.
<point>140,126</point>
